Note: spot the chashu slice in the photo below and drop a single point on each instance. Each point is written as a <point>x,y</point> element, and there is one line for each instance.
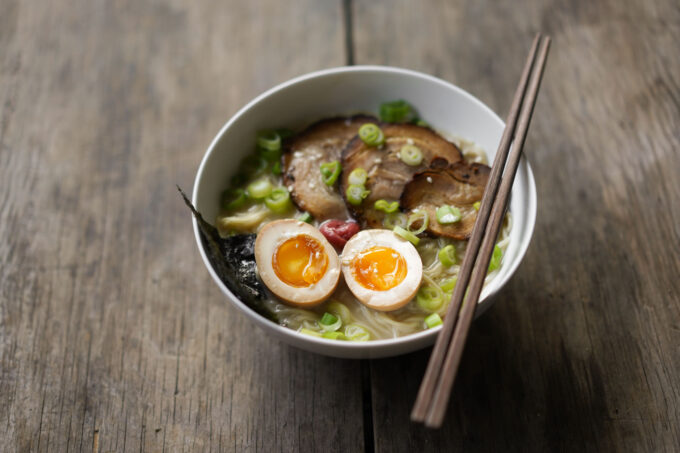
<point>460,185</point>
<point>303,155</point>
<point>387,173</point>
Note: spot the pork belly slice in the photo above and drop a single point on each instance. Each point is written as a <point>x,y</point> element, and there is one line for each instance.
<point>459,185</point>
<point>303,155</point>
<point>387,173</point>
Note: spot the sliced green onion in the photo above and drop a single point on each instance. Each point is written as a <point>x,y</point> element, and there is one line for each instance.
<point>278,200</point>
<point>385,206</point>
<point>340,310</point>
<point>476,205</point>
<point>356,194</point>
<point>433,320</point>
<point>429,298</point>
<point>305,217</point>
<point>448,214</point>
<point>269,155</point>
<point>334,335</point>
<point>411,155</point>
<point>396,111</point>
<point>330,172</point>
<point>329,322</point>
<point>233,199</point>
<point>276,168</point>
<point>448,285</point>
<point>284,133</point>
<point>355,332</point>
<point>395,219</point>
<point>357,177</point>
<point>371,134</point>
<point>253,166</point>
<point>406,234</point>
<point>239,179</point>
<point>418,217</point>
<point>269,145</point>
<point>495,262</point>
<point>269,140</point>
<point>447,255</point>
<point>259,189</point>
<point>310,332</point>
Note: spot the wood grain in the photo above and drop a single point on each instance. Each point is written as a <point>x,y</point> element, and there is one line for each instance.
<point>112,335</point>
<point>581,352</point>
<point>114,338</point>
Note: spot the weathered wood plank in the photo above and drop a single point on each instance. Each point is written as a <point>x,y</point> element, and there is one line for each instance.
<point>112,335</point>
<point>581,351</point>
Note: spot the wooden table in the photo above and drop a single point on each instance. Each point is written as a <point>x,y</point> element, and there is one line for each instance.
<point>114,338</point>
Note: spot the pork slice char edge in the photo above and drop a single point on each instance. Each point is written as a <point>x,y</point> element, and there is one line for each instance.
<point>303,155</point>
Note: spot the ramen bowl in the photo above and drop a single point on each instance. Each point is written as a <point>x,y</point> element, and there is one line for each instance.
<point>343,91</point>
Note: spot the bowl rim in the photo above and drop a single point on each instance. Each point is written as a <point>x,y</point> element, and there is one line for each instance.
<point>390,342</point>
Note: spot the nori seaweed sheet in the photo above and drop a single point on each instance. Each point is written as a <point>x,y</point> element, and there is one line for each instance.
<point>233,258</point>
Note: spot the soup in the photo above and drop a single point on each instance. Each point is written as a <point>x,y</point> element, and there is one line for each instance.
<point>391,185</point>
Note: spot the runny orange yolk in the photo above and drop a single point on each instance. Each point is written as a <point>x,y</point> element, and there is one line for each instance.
<point>300,261</point>
<point>379,268</point>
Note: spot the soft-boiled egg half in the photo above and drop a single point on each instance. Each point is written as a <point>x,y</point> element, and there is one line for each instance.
<point>381,269</point>
<point>296,262</point>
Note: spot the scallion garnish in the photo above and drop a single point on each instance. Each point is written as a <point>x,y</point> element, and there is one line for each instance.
<point>269,145</point>
<point>447,255</point>
<point>259,188</point>
<point>239,179</point>
<point>305,217</point>
<point>284,133</point>
<point>496,258</point>
<point>371,134</point>
<point>476,205</point>
<point>269,140</point>
<point>233,199</point>
<point>386,206</point>
<point>276,168</point>
<point>334,336</point>
<point>433,320</point>
<point>253,166</point>
<point>339,310</point>
<point>429,298</point>
<point>356,194</point>
<point>310,332</point>
<point>396,111</point>
<point>330,172</point>
<point>418,218</point>
<point>357,177</point>
<point>448,285</point>
<point>355,332</point>
<point>411,155</point>
<point>278,200</point>
<point>329,322</point>
<point>412,238</point>
<point>448,214</point>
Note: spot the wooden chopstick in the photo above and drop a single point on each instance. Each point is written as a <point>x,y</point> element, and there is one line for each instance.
<point>435,389</point>
<point>441,396</point>
<point>431,377</point>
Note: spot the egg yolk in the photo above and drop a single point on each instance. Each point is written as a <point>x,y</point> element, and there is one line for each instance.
<point>379,268</point>
<point>300,261</point>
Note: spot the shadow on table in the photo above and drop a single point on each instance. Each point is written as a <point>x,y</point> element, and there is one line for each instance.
<point>513,393</point>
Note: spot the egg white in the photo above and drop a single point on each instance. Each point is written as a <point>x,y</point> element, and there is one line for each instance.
<point>268,240</point>
<point>393,298</point>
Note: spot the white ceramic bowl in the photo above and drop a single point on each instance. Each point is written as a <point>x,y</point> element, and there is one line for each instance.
<point>347,90</point>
